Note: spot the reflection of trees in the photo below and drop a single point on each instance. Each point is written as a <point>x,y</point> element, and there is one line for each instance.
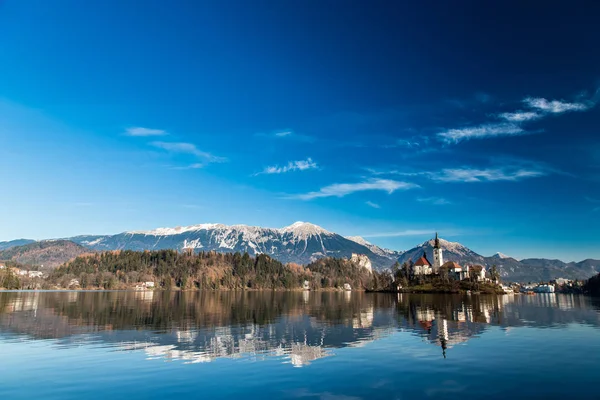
<point>299,327</point>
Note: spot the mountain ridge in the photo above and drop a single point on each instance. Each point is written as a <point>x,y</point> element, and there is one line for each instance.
<point>47,253</point>
<point>304,242</point>
<point>300,242</point>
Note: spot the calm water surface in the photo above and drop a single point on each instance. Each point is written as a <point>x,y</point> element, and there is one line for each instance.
<point>331,346</point>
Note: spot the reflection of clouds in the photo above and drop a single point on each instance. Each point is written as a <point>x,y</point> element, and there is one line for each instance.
<point>302,354</point>
<point>297,354</point>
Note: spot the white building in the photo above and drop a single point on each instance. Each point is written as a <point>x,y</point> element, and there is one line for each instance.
<point>455,271</point>
<point>422,266</point>
<point>477,272</point>
<point>544,289</point>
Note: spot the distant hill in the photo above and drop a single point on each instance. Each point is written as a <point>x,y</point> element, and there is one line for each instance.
<point>13,243</point>
<point>47,253</point>
<point>510,269</point>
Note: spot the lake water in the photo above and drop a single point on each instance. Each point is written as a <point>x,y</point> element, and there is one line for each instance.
<point>330,346</point>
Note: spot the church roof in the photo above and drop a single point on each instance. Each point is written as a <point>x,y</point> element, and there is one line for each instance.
<point>451,265</point>
<point>423,261</point>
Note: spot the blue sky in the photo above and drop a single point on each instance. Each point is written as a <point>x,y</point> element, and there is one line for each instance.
<point>380,119</point>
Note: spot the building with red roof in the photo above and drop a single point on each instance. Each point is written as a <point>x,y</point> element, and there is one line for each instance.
<point>422,266</point>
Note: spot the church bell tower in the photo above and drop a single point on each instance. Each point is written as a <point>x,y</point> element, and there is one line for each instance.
<point>438,259</point>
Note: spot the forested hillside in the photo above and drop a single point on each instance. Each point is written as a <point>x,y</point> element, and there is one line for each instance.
<point>206,270</point>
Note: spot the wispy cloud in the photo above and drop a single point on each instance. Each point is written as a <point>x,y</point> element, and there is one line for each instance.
<point>189,148</point>
<point>139,131</point>
<point>301,165</point>
<point>192,166</point>
<point>371,204</point>
<point>554,106</point>
<point>514,121</point>
<point>503,169</point>
<point>287,134</point>
<point>520,116</point>
<point>468,174</point>
<point>481,131</point>
<point>437,201</point>
<point>343,189</point>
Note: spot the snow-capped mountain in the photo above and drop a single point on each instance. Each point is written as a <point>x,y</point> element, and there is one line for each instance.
<point>452,251</point>
<point>501,256</point>
<point>374,248</point>
<point>301,242</point>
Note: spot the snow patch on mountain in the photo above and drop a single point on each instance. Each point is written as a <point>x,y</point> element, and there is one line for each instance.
<point>304,229</point>
<point>374,248</point>
<point>453,247</point>
<point>359,240</point>
<point>177,230</point>
<point>500,255</point>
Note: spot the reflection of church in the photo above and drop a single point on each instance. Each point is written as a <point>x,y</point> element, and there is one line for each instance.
<point>454,325</point>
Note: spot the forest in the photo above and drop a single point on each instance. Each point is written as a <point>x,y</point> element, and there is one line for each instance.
<point>206,271</point>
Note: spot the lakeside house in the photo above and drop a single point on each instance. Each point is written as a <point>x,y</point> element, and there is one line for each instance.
<point>145,285</point>
<point>544,289</point>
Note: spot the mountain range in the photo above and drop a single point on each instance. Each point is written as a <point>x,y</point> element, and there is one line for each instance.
<point>301,243</point>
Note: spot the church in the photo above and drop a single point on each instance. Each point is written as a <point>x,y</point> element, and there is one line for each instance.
<point>423,267</point>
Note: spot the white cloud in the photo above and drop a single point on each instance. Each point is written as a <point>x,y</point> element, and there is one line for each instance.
<point>139,131</point>
<point>371,204</point>
<point>287,134</point>
<point>502,169</point>
<point>192,166</point>
<point>343,189</point>
<point>437,201</point>
<point>554,106</point>
<point>520,116</point>
<point>301,165</point>
<point>481,131</point>
<point>188,148</point>
<point>468,174</point>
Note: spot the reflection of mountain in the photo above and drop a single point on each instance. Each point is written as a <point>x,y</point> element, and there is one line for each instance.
<point>297,328</point>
